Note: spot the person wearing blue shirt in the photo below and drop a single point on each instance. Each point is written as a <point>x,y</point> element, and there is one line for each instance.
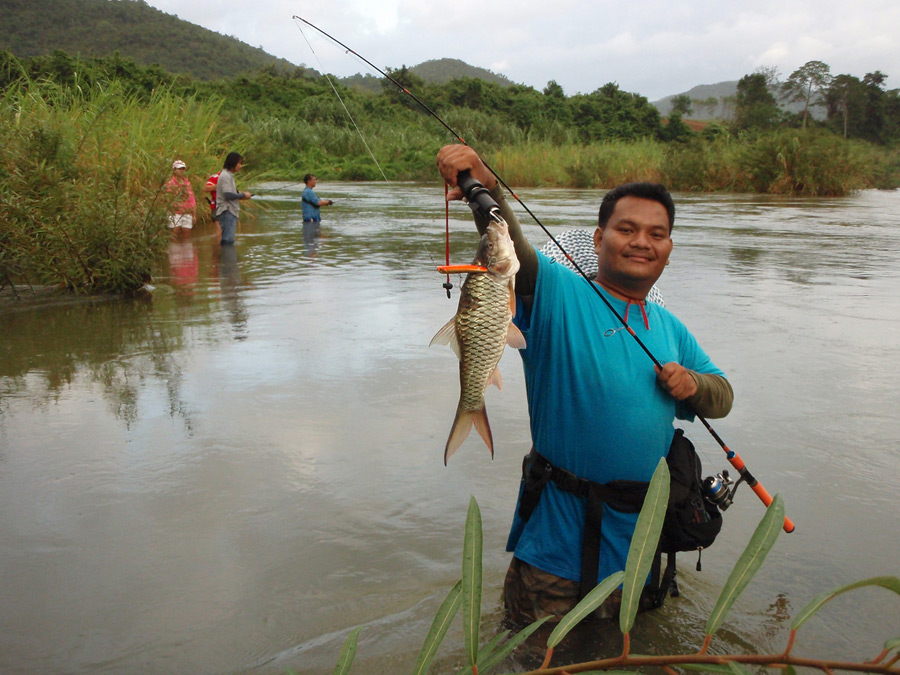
<point>599,409</point>
<point>311,201</point>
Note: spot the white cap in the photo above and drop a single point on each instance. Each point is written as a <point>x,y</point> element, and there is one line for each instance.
<point>178,164</point>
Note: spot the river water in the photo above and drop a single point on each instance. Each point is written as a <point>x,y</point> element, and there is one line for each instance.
<point>229,474</point>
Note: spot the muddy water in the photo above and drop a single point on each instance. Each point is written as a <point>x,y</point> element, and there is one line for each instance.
<point>230,473</point>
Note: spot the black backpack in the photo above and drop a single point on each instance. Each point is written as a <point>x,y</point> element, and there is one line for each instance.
<point>692,521</point>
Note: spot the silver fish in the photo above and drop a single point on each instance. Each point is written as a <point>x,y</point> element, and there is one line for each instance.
<point>480,330</point>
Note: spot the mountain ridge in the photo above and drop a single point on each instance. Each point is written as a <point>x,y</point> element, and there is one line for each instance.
<point>149,36</point>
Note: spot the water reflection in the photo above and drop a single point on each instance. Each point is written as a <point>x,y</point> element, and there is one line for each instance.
<point>311,233</point>
<point>184,264</point>
<point>229,274</point>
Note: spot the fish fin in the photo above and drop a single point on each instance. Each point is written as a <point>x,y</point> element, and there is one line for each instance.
<point>480,419</point>
<point>514,337</point>
<point>512,295</point>
<point>462,425</point>
<point>495,379</point>
<point>447,336</point>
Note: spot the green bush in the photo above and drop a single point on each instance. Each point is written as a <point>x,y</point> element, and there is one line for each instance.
<point>82,203</point>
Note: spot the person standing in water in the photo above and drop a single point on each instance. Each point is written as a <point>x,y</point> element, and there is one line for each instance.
<point>311,204</point>
<point>184,208</point>
<point>210,188</point>
<point>228,199</point>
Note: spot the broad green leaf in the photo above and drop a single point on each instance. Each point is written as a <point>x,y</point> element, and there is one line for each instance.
<point>892,643</point>
<point>348,653</point>
<point>588,604</point>
<point>471,581</point>
<point>761,543</point>
<point>644,544</point>
<point>439,627</point>
<point>507,647</point>
<point>890,583</point>
<point>706,668</point>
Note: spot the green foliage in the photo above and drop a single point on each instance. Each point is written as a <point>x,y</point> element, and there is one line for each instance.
<point>751,559</point>
<point>755,106</point>
<point>471,581</point>
<point>439,627</point>
<point>441,71</point>
<point>682,105</point>
<point>610,113</point>
<point>82,203</point>
<point>890,583</point>
<point>805,163</point>
<point>348,653</point>
<point>596,597</point>
<point>37,27</point>
<point>644,544</point>
<point>807,85</point>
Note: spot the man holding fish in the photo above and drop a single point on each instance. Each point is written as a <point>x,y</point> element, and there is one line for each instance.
<point>598,410</point>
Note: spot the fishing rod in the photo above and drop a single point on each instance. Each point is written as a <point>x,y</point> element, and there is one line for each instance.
<point>481,201</point>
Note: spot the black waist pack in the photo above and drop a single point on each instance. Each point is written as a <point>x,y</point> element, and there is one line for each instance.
<point>691,524</point>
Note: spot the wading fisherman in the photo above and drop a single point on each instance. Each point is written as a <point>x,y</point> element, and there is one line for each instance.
<point>228,199</point>
<point>310,205</point>
<point>598,411</point>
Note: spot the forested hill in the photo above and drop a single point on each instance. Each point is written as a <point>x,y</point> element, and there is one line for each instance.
<point>441,71</point>
<point>97,28</point>
<point>92,28</point>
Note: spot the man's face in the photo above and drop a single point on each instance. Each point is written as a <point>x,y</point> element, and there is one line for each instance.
<point>238,166</point>
<point>312,182</point>
<point>634,247</point>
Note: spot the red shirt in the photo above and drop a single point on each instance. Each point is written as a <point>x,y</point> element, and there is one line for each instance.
<point>214,179</point>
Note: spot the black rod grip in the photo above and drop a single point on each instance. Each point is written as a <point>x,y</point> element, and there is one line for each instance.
<point>478,196</point>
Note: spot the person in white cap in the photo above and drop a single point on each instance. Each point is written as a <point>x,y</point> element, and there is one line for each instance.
<point>184,206</point>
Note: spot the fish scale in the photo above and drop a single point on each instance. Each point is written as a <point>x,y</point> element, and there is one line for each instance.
<point>481,325</point>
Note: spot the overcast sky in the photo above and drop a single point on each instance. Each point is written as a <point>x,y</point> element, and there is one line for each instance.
<point>651,47</point>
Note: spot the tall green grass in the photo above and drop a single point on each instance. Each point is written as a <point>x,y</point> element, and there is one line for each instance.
<point>83,168</point>
<point>789,161</point>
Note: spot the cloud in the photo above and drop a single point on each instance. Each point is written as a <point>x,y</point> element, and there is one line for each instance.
<point>655,48</point>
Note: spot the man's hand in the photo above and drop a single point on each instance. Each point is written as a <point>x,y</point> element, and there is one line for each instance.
<point>451,159</point>
<point>677,380</point>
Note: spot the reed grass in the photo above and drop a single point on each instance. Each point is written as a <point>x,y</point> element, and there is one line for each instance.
<point>82,203</point>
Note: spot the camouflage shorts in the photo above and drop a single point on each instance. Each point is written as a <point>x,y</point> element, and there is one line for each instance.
<point>530,593</point>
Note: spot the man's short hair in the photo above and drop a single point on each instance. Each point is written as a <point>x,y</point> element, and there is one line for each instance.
<point>308,177</point>
<point>653,191</point>
<point>232,160</point>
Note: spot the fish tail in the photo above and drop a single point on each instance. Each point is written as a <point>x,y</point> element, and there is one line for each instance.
<point>463,424</point>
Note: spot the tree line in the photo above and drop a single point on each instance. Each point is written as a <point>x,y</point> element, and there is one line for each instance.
<point>860,108</point>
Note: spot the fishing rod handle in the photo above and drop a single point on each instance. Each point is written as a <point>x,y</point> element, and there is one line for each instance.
<point>478,196</point>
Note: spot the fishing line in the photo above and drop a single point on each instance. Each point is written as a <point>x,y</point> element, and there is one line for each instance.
<point>327,77</point>
<point>733,458</point>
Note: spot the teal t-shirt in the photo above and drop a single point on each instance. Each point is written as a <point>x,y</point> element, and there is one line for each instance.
<point>310,205</point>
<point>596,409</point>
